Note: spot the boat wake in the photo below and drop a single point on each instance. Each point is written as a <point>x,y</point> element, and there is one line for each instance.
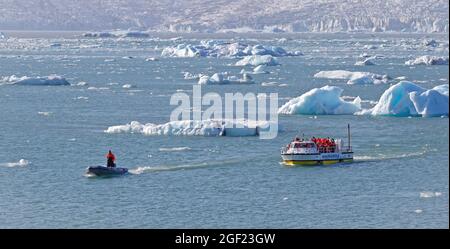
<point>159,168</point>
<point>379,157</point>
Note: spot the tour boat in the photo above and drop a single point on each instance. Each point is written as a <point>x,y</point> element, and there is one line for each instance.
<point>317,151</point>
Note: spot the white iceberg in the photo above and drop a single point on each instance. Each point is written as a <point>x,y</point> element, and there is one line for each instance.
<point>191,76</point>
<point>256,60</point>
<point>354,78</point>
<point>408,99</point>
<point>326,100</point>
<point>261,69</point>
<point>233,128</point>
<point>428,60</point>
<point>222,78</point>
<point>215,48</point>
<point>52,80</point>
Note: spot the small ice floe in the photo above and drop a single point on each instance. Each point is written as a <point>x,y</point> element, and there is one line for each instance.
<point>52,80</point>
<point>428,61</point>
<point>366,62</point>
<point>401,78</point>
<point>151,59</point>
<point>175,149</point>
<point>418,211</point>
<point>45,113</point>
<point>273,83</point>
<point>223,78</point>
<point>370,46</point>
<point>210,127</point>
<point>190,76</point>
<point>256,60</point>
<point>93,88</point>
<point>72,139</point>
<point>261,69</point>
<point>128,86</point>
<point>81,98</point>
<point>429,194</point>
<point>20,163</point>
<point>354,78</point>
<point>326,100</point>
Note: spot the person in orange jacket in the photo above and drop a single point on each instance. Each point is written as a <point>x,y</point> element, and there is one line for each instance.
<point>110,159</point>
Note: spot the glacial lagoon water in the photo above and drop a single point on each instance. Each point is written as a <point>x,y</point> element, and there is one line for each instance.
<point>398,180</point>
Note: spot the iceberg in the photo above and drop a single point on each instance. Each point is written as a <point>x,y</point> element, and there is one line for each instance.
<point>52,80</point>
<point>326,100</point>
<point>261,69</point>
<point>256,60</point>
<point>214,48</point>
<point>428,60</point>
<point>210,127</point>
<point>354,78</point>
<point>408,99</point>
<point>222,78</point>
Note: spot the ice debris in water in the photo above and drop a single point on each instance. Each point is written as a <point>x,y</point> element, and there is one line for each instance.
<point>210,127</point>
<point>52,80</point>
<point>354,78</point>
<point>428,60</point>
<point>256,60</point>
<point>408,99</point>
<point>215,48</point>
<point>21,163</point>
<point>429,194</point>
<point>222,78</point>
<point>326,100</point>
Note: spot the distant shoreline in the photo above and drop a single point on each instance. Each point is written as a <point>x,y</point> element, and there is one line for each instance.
<point>216,35</point>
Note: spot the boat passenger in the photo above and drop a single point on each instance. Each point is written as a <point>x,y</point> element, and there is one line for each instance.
<point>110,159</point>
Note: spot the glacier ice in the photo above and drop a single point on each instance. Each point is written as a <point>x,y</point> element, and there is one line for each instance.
<point>210,127</point>
<point>223,78</point>
<point>256,60</point>
<point>354,78</point>
<point>366,62</point>
<point>216,48</point>
<point>51,80</point>
<point>117,34</point>
<point>408,99</point>
<point>428,60</point>
<point>326,100</point>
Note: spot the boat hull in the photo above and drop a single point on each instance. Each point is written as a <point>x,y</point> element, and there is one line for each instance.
<point>106,171</point>
<point>317,159</point>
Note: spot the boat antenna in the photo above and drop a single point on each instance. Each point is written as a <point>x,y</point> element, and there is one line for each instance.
<point>348,135</point>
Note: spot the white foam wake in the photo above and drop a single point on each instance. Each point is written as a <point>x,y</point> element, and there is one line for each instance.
<point>20,163</point>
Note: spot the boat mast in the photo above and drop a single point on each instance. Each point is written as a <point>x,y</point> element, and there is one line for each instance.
<point>348,135</point>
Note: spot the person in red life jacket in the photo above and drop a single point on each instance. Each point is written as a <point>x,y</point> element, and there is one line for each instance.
<point>110,160</point>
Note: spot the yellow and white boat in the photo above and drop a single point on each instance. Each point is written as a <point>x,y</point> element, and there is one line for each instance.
<point>310,152</point>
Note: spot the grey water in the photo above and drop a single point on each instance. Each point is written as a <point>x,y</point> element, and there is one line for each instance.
<point>398,180</point>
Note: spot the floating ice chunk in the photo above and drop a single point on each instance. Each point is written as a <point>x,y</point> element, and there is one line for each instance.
<point>128,86</point>
<point>256,60</point>
<point>81,83</point>
<point>151,59</point>
<point>2,35</point>
<point>407,99</point>
<point>222,78</point>
<point>429,194</point>
<point>366,62</point>
<point>215,48</point>
<point>370,46</point>
<point>45,113</point>
<point>20,163</point>
<point>260,70</point>
<point>233,128</point>
<point>52,80</point>
<point>428,60</point>
<point>354,78</point>
<point>321,101</point>
<point>174,149</point>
